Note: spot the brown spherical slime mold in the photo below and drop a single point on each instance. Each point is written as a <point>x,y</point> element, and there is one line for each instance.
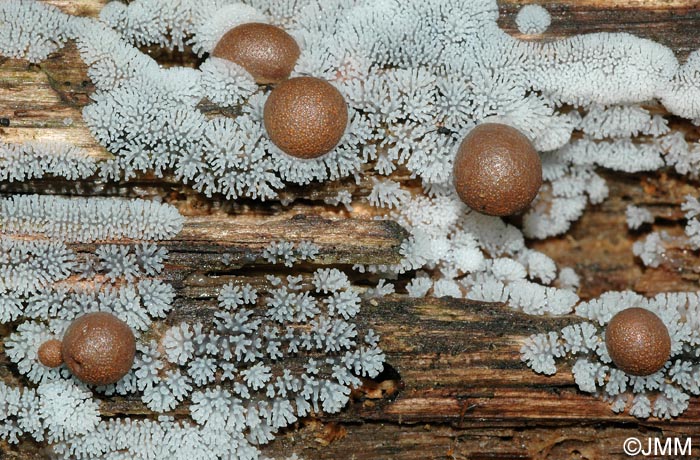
<point>49,353</point>
<point>638,341</point>
<point>305,117</point>
<point>265,51</point>
<point>497,170</point>
<point>99,348</point>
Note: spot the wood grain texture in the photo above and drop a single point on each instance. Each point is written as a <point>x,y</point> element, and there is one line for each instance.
<point>457,389</point>
<point>668,22</point>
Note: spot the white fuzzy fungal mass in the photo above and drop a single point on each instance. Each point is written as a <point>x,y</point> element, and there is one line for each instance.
<point>663,394</point>
<point>289,253</point>
<point>34,160</point>
<point>533,19</point>
<point>651,249</point>
<point>88,219</point>
<point>233,372</point>
<point>417,76</point>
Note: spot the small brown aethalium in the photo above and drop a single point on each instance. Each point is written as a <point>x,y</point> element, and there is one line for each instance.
<point>305,117</point>
<point>638,341</point>
<point>49,353</point>
<point>267,52</point>
<point>98,348</point>
<point>497,171</point>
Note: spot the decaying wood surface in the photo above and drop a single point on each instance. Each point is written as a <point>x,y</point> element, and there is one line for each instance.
<point>455,387</point>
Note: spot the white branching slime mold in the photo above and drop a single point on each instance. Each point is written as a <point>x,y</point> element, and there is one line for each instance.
<point>415,77</point>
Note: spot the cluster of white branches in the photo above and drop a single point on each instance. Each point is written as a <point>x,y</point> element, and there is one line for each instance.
<point>251,350</point>
<point>417,76</point>
<point>664,394</point>
<point>250,347</point>
<point>45,284</point>
<point>34,160</point>
<point>120,279</point>
<point>533,19</point>
<point>88,219</point>
<point>652,248</point>
<point>289,253</point>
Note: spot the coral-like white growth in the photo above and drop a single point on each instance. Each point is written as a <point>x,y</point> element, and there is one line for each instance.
<point>533,19</point>
<point>343,197</point>
<point>33,160</point>
<point>539,352</point>
<point>621,121</point>
<point>251,351</point>
<point>419,286</point>
<point>452,241</point>
<point>28,266</point>
<point>387,194</point>
<point>67,409</point>
<point>248,348</point>
<point>289,253</point>
<point>611,62</point>
<point>539,266</point>
<point>653,247</point>
<point>22,347</point>
<point>39,29</point>
<point>683,95</point>
<point>564,198</point>
<point>34,286</point>
<point>410,113</point>
<point>620,155</point>
<point>684,157</point>
<point>415,81</point>
<point>88,219</point>
<point>569,279</point>
<point>226,83</point>
<point>636,217</point>
<point>55,411</point>
<point>384,289</point>
<point>593,369</point>
<point>172,439</point>
<point>130,295</point>
<point>692,228</point>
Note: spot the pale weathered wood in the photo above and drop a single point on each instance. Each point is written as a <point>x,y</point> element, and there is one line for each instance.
<point>459,390</point>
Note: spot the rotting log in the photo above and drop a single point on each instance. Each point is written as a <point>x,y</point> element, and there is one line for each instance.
<point>455,388</point>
